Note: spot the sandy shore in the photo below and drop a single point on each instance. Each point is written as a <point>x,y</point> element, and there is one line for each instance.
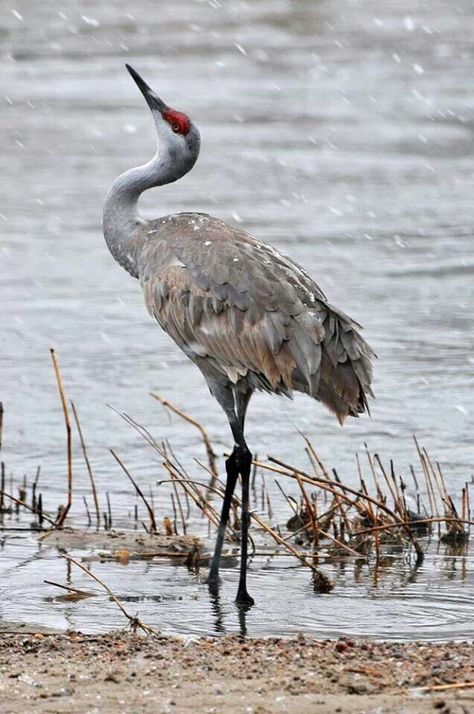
<point>123,672</point>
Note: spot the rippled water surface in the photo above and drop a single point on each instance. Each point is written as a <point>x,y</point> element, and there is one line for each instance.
<point>339,130</point>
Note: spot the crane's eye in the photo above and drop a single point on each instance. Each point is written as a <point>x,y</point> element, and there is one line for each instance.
<point>175,127</point>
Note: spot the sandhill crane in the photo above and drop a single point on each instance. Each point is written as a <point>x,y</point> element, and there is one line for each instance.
<point>246,314</point>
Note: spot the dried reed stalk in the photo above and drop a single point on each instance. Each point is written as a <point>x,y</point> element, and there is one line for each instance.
<point>211,456</point>
<point>29,508</point>
<point>138,490</point>
<point>302,558</point>
<point>446,687</point>
<point>393,493</point>
<point>88,465</point>
<point>337,484</point>
<point>65,510</point>
<point>135,623</point>
<point>421,521</point>
<point>197,497</point>
<point>426,473</point>
<point>309,509</point>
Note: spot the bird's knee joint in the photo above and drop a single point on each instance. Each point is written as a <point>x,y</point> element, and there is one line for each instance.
<point>243,456</point>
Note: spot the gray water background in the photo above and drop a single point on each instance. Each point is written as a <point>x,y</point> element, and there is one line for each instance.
<point>340,131</point>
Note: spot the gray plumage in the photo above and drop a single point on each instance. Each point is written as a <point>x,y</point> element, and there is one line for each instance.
<point>247,315</point>
<point>242,310</point>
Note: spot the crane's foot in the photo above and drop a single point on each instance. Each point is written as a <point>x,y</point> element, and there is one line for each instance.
<point>243,599</point>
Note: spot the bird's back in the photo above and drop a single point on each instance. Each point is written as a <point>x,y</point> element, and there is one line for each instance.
<point>240,308</point>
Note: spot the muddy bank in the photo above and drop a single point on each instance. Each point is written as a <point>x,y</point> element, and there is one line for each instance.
<point>126,672</point>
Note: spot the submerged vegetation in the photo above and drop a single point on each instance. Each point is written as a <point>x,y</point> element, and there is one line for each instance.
<point>326,521</point>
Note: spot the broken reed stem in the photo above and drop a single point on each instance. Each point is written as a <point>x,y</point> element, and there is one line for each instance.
<point>29,508</point>
<point>65,510</point>
<point>397,490</point>
<point>197,497</point>
<point>309,509</point>
<point>342,545</point>
<point>2,486</point>
<point>315,459</point>
<point>134,621</point>
<point>421,521</point>
<point>433,473</point>
<point>193,492</point>
<point>89,520</point>
<point>109,511</point>
<point>88,466</point>
<point>441,478</point>
<point>266,528</point>
<point>145,434</point>
<point>337,484</point>
<point>178,501</point>
<point>371,464</point>
<point>138,490</point>
<point>175,518</point>
<point>370,510</point>
<point>207,443</point>
<point>378,490</point>
<point>446,687</point>
<point>64,587</point>
<point>396,504</point>
<point>315,456</point>
<point>286,545</point>
<point>289,502</point>
<point>429,485</point>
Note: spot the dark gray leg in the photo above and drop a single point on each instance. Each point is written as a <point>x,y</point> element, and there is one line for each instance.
<point>242,400</point>
<point>244,465</point>
<point>213,577</point>
<point>239,462</point>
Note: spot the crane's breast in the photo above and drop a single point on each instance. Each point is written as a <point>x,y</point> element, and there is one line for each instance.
<point>233,331</point>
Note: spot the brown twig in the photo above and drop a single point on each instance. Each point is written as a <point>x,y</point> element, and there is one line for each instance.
<point>324,484</point>
<point>134,621</point>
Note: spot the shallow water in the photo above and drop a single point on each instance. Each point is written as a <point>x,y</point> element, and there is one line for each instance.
<point>395,601</point>
<point>341,131</point>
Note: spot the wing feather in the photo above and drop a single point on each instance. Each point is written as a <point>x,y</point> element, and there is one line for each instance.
<point>249,310</point>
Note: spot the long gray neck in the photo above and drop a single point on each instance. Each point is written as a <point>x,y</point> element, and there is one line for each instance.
<point>123,226</point>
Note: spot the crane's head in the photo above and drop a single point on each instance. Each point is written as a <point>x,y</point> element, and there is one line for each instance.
<point>178,138</point>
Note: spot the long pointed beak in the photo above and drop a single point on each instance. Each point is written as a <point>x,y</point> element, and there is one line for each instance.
<point>153,101</point>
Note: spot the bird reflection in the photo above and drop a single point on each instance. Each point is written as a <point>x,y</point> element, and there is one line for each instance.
<point>217,610</point>
<point>218,613</point>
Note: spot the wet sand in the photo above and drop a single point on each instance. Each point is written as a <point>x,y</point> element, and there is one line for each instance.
<point>125,672</point>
